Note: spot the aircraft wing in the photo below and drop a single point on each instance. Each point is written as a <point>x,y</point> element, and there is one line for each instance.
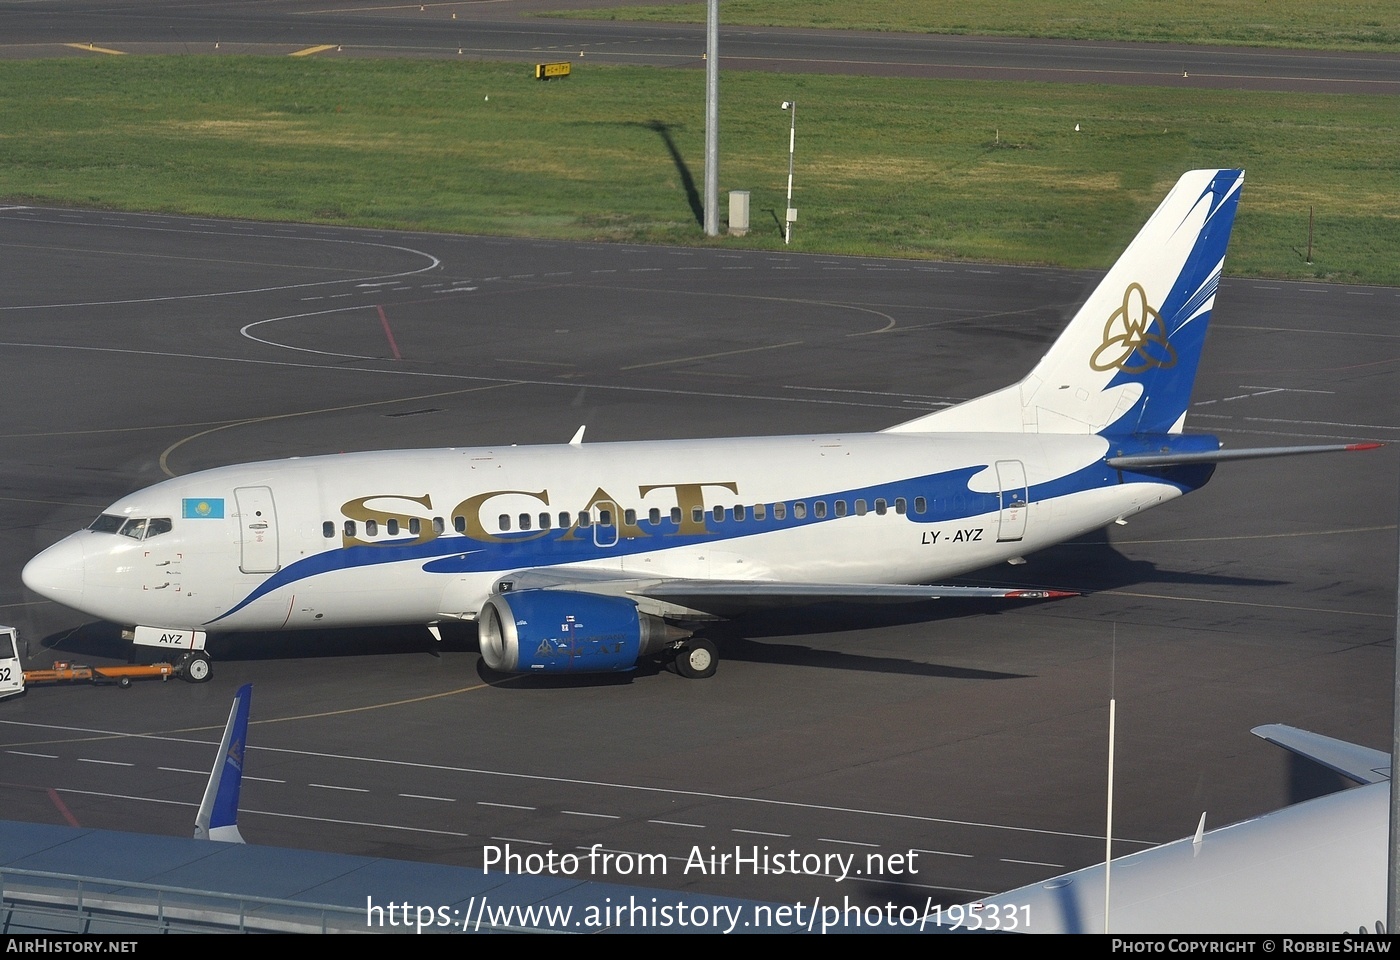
<point>749,592</point>
<point>1351,760</point>
<point>723,598</point>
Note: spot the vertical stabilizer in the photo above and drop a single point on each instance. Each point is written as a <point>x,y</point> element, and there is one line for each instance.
<point>1127,361</point>
<point>218,812</point>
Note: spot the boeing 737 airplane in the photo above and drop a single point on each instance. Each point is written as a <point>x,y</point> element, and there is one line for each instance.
<point>588,557</point>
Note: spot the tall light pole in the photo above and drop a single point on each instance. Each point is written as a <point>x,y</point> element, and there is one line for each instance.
<point>712,119</point>
<point>791,214</point>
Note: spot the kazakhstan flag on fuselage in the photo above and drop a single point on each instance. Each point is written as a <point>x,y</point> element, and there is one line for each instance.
<point>212,509</point>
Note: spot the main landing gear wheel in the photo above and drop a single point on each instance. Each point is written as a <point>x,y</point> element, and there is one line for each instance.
<point>697,660</point>
<point>195,667</point>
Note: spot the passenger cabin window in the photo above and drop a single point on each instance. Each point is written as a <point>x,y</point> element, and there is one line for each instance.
<point>504,522</point>
<point>758,511</point>
<point>328,529</point>
<point>901,507</point>
<point>391,527</point>
<point>860,508</point>
<point>780,511</point>
<point>459,524</point>
<point>819,509</point>
<point>349,528</point>
<point>654,516</point>
<point>920,505</point>
<point>371,528</point>
<point>840,508</point>
<point>629,517</point>
<point>799,510</point>
<point>741,512</point>
<point>676,515</point>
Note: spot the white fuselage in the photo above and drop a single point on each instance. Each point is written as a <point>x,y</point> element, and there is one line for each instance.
<point>1317,867</point>
<point>421,535</point>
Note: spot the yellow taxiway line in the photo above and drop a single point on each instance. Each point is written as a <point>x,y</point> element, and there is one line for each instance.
<point>316,49</point>
<point>89,47</point>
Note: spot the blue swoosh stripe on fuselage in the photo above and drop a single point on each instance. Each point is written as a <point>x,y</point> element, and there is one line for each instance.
<point>947,494</point>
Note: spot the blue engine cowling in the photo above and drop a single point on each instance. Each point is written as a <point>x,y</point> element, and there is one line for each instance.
<point>563,631</point>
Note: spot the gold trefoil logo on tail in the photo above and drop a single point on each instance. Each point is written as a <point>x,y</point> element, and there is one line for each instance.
<point>1134,328</point>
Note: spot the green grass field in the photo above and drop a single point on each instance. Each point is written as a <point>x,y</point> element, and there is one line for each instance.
<point>924,168</point>
<point>1341,24</point>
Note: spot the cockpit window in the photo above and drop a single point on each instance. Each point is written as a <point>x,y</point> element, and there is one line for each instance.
<point>106,524</point>
<point>135,528</point>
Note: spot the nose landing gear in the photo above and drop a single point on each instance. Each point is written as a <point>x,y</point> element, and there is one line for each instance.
<point>194,667</point>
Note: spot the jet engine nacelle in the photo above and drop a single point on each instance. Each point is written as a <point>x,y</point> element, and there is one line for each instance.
<point>563,631</point>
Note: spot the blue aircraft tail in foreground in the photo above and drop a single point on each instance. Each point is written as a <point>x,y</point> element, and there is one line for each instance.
<point>218,812</point>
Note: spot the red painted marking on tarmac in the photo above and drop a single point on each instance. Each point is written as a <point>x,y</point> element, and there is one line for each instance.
<point>63,808</point>
<point>390,334</point>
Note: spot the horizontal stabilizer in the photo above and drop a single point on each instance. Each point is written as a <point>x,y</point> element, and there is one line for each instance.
<point>1143,460</point>
<point>1351,760</point>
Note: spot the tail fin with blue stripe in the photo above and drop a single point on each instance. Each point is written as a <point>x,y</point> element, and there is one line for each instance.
<point>1127,361</point>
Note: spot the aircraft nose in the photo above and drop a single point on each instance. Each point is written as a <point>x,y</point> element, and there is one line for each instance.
<point>57,573</point>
